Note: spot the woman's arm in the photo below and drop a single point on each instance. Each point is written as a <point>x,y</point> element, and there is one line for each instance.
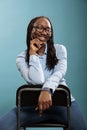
<point>32,72</point>
<point>45,99</point>
<point>59,70</point>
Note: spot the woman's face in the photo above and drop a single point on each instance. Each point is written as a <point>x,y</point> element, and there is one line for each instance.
<point>41,30</point>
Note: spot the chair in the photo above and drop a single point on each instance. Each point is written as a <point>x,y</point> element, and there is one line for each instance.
<point>31,92</point>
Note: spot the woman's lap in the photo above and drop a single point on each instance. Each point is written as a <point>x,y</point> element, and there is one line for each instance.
<point>9,120</point>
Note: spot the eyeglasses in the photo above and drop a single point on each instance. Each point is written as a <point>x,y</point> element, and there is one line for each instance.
<point>40,29</point>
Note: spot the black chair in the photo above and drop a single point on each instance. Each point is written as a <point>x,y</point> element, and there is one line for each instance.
<point>27,95</point>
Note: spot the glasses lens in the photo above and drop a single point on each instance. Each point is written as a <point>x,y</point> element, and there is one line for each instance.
<point>48,30</point>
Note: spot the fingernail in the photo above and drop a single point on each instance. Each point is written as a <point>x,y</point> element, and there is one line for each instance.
<point>36,108</point>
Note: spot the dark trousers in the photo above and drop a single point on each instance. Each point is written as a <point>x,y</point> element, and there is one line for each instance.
<point>9,120</point>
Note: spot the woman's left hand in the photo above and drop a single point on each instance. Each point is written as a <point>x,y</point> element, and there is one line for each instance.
<point>44,101</point>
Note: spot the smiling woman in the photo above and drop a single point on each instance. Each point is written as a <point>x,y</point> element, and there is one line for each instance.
<point>46,64</point>
<point>43,38</point>
<point>40,34</point>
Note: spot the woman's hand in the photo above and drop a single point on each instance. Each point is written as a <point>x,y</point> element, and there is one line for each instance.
<point>35,45</point>
<point>44,101</point>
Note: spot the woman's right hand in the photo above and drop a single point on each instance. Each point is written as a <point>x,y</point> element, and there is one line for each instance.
<point>35,45</point>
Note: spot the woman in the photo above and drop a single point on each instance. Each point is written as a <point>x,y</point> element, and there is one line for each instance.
<point>43,62</point>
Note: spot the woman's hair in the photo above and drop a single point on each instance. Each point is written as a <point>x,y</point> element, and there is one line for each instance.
<point>51,59</point>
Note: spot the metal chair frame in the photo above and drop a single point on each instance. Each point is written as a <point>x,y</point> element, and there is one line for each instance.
<point>33,91</point>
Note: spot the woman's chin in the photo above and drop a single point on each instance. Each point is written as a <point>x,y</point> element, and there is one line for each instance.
<point>42,39</point>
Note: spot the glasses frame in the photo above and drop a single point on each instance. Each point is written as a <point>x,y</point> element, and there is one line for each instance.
<point>40,29</point>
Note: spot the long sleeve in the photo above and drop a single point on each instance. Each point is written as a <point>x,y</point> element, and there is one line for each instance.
<point>60,69</point>
<point>32,72</point>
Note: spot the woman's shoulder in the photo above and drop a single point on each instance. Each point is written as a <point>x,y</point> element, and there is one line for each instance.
<point>60,47</point>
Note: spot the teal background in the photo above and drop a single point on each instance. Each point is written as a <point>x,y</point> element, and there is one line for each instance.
<point>69,19</point>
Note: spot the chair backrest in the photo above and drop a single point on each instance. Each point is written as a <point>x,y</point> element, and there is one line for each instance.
<point>27,95</point>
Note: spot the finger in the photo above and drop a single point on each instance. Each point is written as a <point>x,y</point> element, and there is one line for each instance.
<point>45,106</point>
<point>36,108</point>
<point>40,113</point>
<point>40,107</point>
<point>50,103</point>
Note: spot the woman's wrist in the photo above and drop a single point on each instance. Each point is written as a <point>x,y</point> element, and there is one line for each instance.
<point>48,90</point>
<point>32,52</point>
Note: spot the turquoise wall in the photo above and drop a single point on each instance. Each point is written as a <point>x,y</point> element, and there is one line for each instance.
<point>69,19</point>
